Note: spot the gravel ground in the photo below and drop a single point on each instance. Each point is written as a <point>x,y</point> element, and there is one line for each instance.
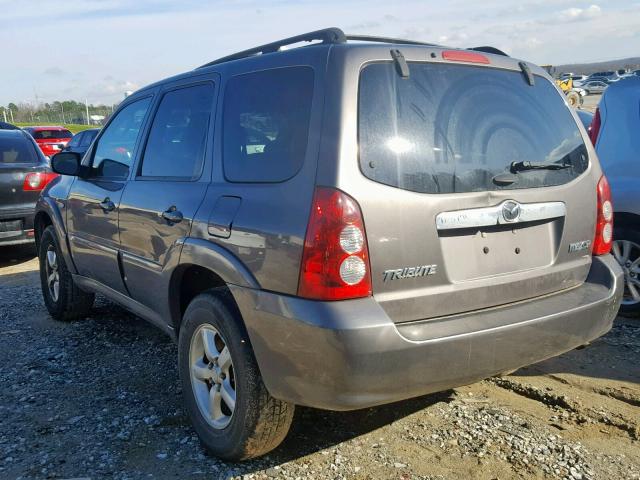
<point>590,102</point>
<point>100,398</point>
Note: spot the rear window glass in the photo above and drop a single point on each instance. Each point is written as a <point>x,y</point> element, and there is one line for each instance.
<point>266,124</point>
<point>16,149</point>
<point>51,134</point>
<point>453,128</point>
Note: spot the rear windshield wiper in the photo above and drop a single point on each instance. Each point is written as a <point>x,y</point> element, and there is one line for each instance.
<point>516,167</point>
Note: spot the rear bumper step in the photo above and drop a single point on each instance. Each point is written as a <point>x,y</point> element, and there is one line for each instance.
<point>348,355</point>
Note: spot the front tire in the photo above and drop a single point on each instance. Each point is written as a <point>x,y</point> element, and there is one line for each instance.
<point>626,250</point>
<point>225,397</point>
<point>62,297</point>
<point>573,98</point>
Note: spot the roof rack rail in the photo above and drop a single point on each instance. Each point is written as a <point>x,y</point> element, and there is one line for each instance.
<point>488,49</point>
<point>327,35</point>
<point>398,41</point>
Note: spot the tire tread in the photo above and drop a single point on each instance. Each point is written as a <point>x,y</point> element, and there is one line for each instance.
<point>74,303</point>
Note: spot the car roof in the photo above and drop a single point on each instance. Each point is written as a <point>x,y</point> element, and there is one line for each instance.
<point>319,43</point>
<point>53,127</point>
<point>12,133</point>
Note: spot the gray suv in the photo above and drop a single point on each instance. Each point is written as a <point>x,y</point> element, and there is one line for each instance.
<point>341,225</point>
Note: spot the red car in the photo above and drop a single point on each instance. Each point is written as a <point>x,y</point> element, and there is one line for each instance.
<point>51,140</point>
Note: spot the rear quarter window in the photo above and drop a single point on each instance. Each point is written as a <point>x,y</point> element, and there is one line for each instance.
<point>453,128</point>
<point>266,124</point>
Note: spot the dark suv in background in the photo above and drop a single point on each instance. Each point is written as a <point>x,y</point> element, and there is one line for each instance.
<point>339,225</point>
<point>81,141</point>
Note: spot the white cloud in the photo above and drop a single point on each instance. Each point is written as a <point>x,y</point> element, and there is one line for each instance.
<point>110,46</point>
<point>579,14</point>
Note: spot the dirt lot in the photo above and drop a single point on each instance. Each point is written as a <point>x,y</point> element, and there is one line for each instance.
<point>591,102</point>
<point>100,398</point>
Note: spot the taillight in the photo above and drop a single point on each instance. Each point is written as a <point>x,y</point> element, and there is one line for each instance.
<point>335,260</point>
<point>604,223</point>
<point>36,181</point>
<point>594,128</point>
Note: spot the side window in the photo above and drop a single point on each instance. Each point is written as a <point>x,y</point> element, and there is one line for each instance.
<point>178,133</point>
<point>76,140</point>
<point>115,149</point>
<point>266,124</point>
<point>87,137</point>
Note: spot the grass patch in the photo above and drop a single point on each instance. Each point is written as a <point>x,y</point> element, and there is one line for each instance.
<point>73,128</point>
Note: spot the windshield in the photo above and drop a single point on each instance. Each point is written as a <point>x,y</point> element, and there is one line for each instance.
<point>453,128</point>
<point>51,134</point>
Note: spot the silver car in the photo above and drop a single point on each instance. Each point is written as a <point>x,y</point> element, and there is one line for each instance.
<point>616,135</point>
<point>594,86</point>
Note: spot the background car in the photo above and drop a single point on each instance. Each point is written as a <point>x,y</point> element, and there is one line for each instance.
<point>607,76</point>
<point>24,172</point>
<point>51,140</point>
<point>81,141</point>
<point>615,135</point>
<point>594,86</point>
<point>8,126</point>
<point>578,80</point>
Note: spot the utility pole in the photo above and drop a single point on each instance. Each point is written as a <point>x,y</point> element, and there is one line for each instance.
<point>86,105</point>
<point>4,113</point>
<point>11,113</point>
<point>62,107</point>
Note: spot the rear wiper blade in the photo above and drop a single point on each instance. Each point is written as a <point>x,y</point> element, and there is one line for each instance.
<point>516,167</point>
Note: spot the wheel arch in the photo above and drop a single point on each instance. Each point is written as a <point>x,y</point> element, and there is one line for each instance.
<point>626,219</point>
<point>41,221</point>
<point>48,213</point>
<point>204,266</point>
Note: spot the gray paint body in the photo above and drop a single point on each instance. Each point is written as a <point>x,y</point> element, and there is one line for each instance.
<point>491,313</point>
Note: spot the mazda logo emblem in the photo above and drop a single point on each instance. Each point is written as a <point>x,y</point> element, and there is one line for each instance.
<point>510,211</point>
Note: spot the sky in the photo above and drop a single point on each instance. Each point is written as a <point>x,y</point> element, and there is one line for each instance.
<point>98,49</point>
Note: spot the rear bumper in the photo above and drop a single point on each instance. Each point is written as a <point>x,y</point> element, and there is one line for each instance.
<point>24,234</point>
<point>348,355</point>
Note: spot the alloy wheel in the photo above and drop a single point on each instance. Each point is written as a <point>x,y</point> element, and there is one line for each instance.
<point>627,253</point>
<point>212,376</point>
<point>53,275</point>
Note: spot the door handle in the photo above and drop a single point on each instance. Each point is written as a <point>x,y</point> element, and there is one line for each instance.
<point>172,215</point>
<point>107,205</point>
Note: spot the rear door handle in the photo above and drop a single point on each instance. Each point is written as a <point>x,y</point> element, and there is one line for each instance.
<point>172,215</point>
<point>107,205</point>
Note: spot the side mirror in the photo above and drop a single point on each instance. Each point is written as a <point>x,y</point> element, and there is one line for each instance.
<point>66,163</point>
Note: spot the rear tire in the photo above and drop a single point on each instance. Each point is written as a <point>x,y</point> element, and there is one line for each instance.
<point>62,297</point>
<point>216,364</point>
<point>626,250</point>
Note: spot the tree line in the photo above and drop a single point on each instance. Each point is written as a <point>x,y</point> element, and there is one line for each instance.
<point>58,112</point>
